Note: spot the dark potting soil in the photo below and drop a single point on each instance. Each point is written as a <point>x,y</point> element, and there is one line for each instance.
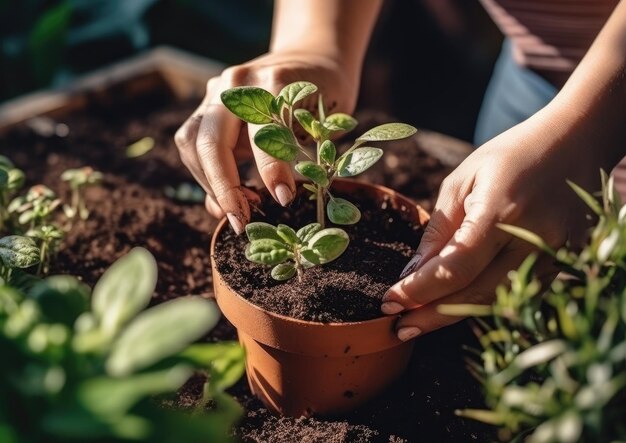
<point>131,209</point>
<point>347,289</point>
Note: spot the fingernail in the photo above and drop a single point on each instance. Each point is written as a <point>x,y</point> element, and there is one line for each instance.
<point>408,333</point>
<point>391,307</point>
<point>283,194</point>
<point>235,223</point>
<point>411,266</point>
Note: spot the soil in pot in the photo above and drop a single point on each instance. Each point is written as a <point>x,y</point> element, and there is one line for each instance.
<point>130,209</point>
<point>345,290</point>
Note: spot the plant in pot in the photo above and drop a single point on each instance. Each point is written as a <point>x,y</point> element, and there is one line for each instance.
<point>304,302</point>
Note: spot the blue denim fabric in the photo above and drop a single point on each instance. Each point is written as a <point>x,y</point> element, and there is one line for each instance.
<point>514,93</point>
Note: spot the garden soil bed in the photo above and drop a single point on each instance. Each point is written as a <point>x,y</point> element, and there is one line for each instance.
<point>130,209</point>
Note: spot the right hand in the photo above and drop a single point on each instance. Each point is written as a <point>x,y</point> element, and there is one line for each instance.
<point>212,139</point>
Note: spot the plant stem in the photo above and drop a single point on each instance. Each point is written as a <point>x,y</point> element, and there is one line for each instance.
<point>42,257</point>
<point>319,200</point>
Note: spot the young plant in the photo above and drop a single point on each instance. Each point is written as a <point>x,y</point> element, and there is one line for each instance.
<point>553,363</point>
<point>11,181</point>
<point>49,237</point>
<point>291,252</point>
<point>79,180</point>
<point>81,367</point>
<point>323,164</point>
<point>36,207</point>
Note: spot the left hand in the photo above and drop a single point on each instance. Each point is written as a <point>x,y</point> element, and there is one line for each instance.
<point>518,178</point>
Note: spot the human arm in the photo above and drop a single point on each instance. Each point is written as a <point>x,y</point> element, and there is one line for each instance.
<point>519,178</point>
<point>322,41</point>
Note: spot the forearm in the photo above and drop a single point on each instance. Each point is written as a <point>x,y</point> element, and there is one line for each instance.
<point>337,28</point>
<point>594,98</point>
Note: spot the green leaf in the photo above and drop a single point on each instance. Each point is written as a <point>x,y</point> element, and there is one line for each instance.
<point>267,252</point>
<point>61,298</point>
<point>388,131</point>
<point>306,232</point>
<point>260,230</point>
<point>6,163</point>
<point>589,199</point>
<point>140,147</point>
<point>160,332</point>
<point>16,179</point>
<point>342,212</point>
<point>314,172</point>
<point>359,160</point>
<point>18,252</point>
<point>287,234</point>
<point>294,92</point>
<point>310,187</point>
<point>340,122</point>
<point>283,271</point>
<point>4,178</point>
<point>305,118</point>
<point>249,103</point>
<point>124,290</point>
<point>277,141</point>
<point>277,105</point>
<point>319,132</point>
<point>326,245</point>
<point>527,236</point>
<point>328,152</point>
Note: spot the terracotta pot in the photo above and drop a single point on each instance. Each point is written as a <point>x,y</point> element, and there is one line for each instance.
<point>301,367</point>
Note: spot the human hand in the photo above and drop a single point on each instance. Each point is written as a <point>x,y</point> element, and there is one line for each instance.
<point>517,178</point>
<point>212,139</point>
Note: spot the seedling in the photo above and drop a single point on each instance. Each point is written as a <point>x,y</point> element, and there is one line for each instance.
<point>79,180</point>
<point>16,252</point>
<point>50,238</point>
<point>35,208</point>
<point>291,252</point>
<point>322,165</point>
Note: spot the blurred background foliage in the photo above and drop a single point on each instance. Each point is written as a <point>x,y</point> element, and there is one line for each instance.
<point>445,49</point>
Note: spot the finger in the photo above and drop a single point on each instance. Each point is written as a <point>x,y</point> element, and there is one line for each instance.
<point>217,137</point>
<point>427,318</point>
<point>445,219</point>
<point>213,207</point>
<point>276,174</point>
<point>470,250</point>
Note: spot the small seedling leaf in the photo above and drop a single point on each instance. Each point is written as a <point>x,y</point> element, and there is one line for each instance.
<point>260,230</point>
<point>342,212</point>
<point>294,92</point>
<point>277,105</point>
<point>328,152</point>
<point>314,172</point>
<point>326,245</point>
<point>388,131</point>
<point>305,118</point>
<point>283,271</point>
<point>306,232</point>
<point>267,252</point>
<point>358,161</point>
<point>589,199</point>
<point>527,236</point>
<point>140,147</point>
<point>124,290</point>
<point>18,252</point>
<point>277,141</point>
<point>287,234</point>
<point>249,103</point>
<point>319,131</point>
<point>16,179</point>
<point>309,187</point>
<point>340,122</point>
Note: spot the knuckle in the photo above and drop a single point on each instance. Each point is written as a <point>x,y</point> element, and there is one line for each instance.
<point>236,75</point>
<point>212,83</point>
<point>434,233</point>
<point>183,137</point>
<point>457,273</point>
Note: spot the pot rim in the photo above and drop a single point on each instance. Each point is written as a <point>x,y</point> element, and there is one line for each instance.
<point>423,219</point>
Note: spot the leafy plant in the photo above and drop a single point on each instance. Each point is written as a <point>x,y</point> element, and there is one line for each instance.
<point>277,138</point>
<point>50,237</point>
<point>553,363</point>
<point>81,370</point>
<point>35,207</point>
<point>79,180</point>
<point>11,180</point>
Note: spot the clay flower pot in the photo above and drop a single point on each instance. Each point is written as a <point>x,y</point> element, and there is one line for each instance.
<point>301,367</point>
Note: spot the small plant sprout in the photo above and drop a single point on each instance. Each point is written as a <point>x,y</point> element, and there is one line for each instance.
<point>79,180</point>
<point>16,252</point>
<point>322,164</point>
<point>49,237</point>
<point>36,207</point>
<point>291,252</point>
<point>11,180</point>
